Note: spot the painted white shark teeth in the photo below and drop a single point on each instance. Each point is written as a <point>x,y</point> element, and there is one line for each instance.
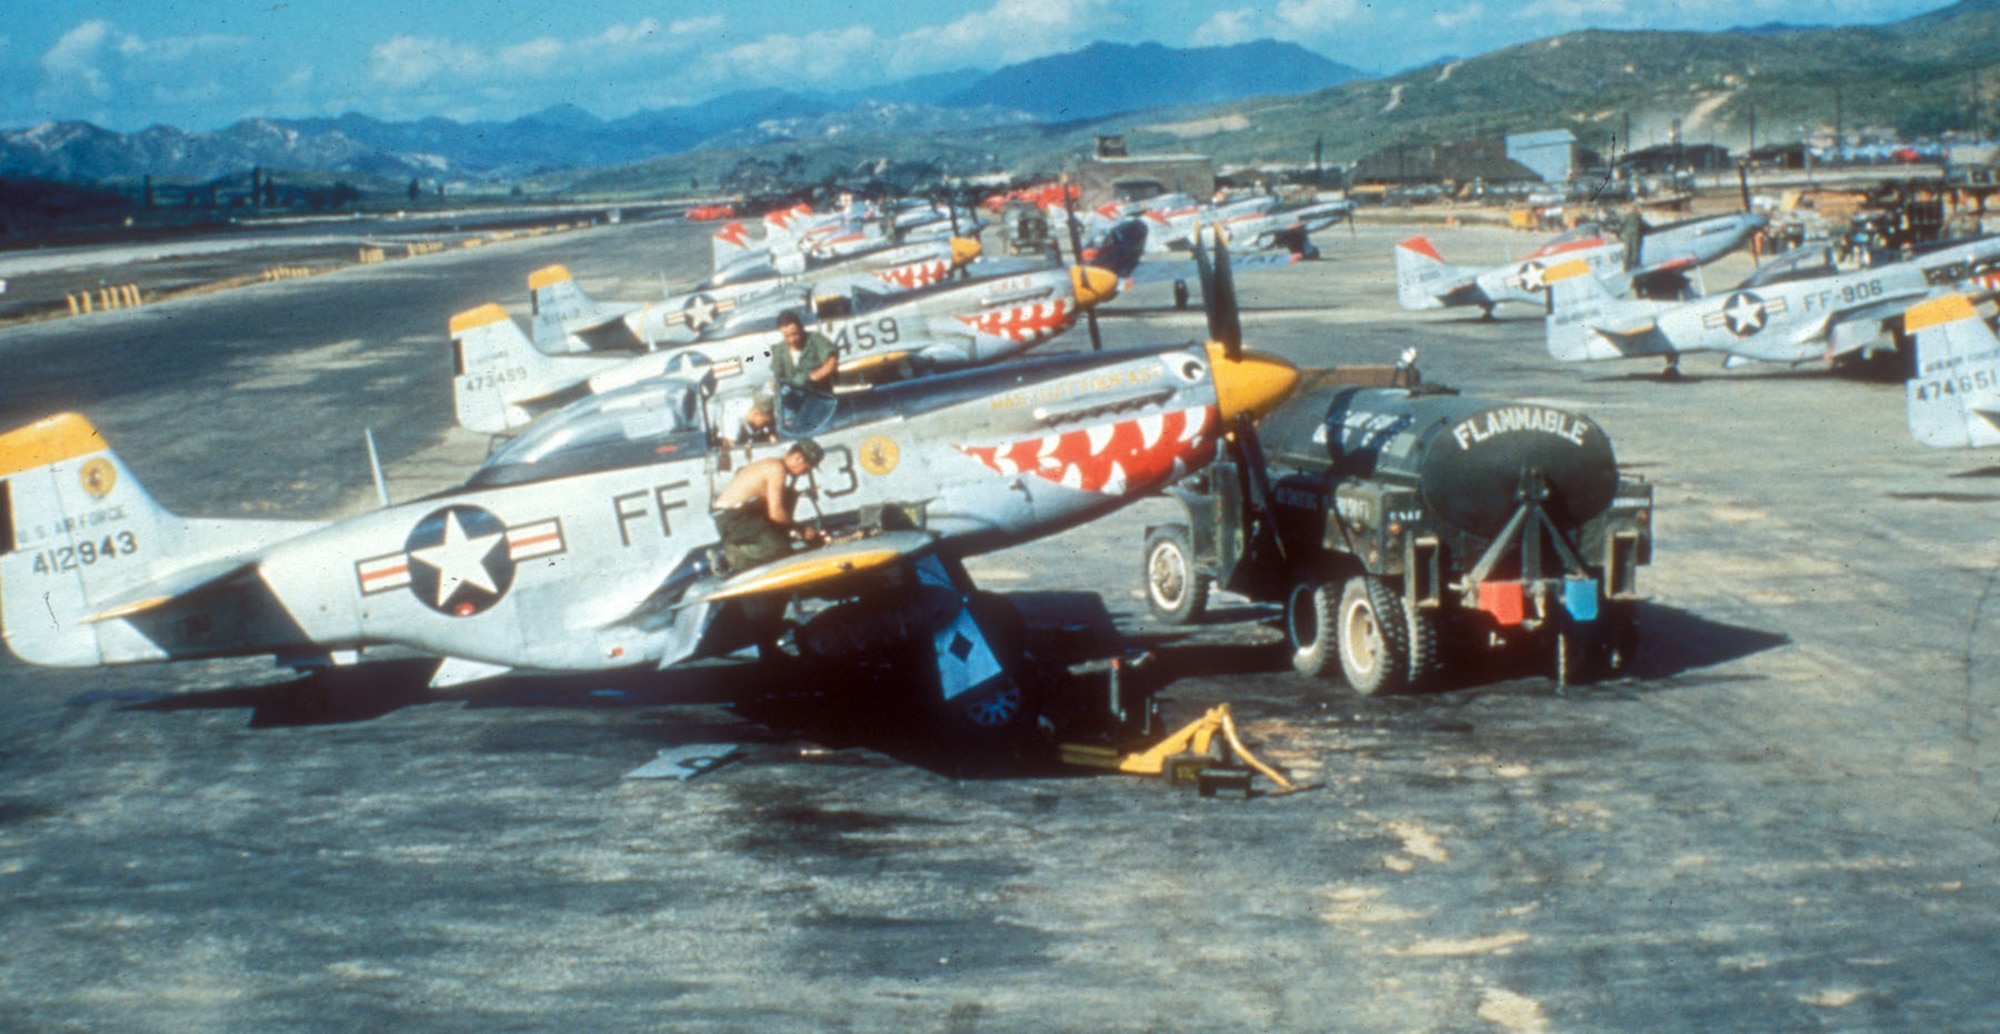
<point>1192,425</point>
<point>1115,484</point>
<point>1150,427</point>
<point>1100,437</point>
<point>1072,477</point>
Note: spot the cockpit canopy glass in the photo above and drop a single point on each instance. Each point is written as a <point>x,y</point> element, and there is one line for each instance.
<point>1802,263</point>
<point>650,422</point>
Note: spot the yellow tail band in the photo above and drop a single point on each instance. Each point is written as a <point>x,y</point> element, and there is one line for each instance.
<point>547,275</point>
<point>1949,309</point>
<point>49,440</point>
<point>471,318</point>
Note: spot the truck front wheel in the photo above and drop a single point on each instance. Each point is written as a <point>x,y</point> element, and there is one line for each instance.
<point>1309,622</point>
<point>1175,591</point>
<point>1373,635</point>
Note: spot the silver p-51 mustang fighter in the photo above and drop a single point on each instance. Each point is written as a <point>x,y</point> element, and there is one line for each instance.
<point>585,544</point>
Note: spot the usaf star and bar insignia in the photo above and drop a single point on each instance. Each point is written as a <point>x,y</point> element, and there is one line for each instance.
<point>1744,313</point>
<point>460,560</point>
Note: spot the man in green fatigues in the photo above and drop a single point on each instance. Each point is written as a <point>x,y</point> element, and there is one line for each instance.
<point>806,361</point>
<point>754,512</point>
<point>1633,235</point>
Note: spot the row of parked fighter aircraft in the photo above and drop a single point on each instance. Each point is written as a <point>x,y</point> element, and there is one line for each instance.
<point>583,543</point>
<point>1800,307</point>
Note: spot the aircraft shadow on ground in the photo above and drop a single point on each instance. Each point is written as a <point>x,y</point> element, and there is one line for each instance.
<point>878,707</point>
<point>1980,472</point>
<point>772,707</point>
<point>1673,643</point>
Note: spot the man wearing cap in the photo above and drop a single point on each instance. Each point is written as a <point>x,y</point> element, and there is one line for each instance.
<point>804,360</point>
<point>754,513</point>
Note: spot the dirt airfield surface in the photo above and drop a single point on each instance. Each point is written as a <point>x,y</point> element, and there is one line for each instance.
<point>1784,819</point>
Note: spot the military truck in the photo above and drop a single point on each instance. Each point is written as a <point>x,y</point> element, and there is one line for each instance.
<point>1405,527</point>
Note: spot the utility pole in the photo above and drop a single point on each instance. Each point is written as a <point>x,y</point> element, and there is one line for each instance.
<point>1839,127</point>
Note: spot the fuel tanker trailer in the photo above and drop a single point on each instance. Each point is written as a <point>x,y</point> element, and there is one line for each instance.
<point>1404,527</point>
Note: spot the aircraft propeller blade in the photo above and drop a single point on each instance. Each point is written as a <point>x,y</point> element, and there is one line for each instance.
<point>1076,254</point>
<point>1218,294</point>
<point>1743,183</point>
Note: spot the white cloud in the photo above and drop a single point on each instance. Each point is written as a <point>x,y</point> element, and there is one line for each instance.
<point>74,63</point>
<point>99,72</point>
<point>1471,14</point>
<point>1005,33</point>
<point>1573,11</point>
<point>1313,18</point>
<point>1238,25</point>
<point>402,62</point>
<point>708,25</point>
<point>1312,22</point>
<point>819,58</point>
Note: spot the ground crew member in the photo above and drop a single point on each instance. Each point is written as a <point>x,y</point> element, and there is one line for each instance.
<point>804,361</point>
<point>1632,233</point>
<point>753,513</point>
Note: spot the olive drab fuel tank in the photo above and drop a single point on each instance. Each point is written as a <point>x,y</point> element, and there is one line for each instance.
<point>1467,456</point>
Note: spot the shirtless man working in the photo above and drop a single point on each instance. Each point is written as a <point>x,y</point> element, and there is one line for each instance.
<point>754,513</point>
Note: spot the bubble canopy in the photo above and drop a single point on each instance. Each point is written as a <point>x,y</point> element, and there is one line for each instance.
<point>649,422</point>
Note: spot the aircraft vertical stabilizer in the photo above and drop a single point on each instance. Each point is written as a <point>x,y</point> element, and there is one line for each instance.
<point>1586,321</point>
<point>86,547</point>
<point>1423,277</point>
<point>498,371</point>
<point>729,244</point>
<point>1954,400</point>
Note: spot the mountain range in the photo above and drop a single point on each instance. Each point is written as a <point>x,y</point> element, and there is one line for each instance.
<point>1098,80</point>
<point>1925,76</point>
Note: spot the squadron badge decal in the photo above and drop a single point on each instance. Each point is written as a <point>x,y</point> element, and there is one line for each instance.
<point>879,455</point>
<point>97,477</point>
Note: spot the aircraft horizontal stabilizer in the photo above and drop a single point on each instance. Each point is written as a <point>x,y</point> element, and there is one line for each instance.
<point>161,591</point>
<point>1627,331</point>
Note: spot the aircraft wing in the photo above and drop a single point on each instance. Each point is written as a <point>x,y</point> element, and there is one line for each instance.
<point>970,658</point>
<point>1182,268</point>
<point>1852,328</point>
<point>819,571</point>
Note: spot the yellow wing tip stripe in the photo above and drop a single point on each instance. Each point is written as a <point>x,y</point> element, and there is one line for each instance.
<point>1948,309</point>
<point>491,312</point>
<point>548,275</point>
<point>48,440</point>
<point>807,570</point>
<point>1565,270</point>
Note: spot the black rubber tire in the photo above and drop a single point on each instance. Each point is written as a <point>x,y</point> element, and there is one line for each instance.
<point>1372,632</point>
<point>1180,294</point>
<point>1309,613</point>
<point>1175,592</point>
<point>1426,651</point>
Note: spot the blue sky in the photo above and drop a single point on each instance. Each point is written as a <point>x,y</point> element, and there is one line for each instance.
<point>202,64</point>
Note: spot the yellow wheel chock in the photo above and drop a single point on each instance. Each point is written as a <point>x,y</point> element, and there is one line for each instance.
<point>1188,756</point>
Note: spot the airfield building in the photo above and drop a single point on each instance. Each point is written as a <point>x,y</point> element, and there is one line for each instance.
<point>1113,175</point>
